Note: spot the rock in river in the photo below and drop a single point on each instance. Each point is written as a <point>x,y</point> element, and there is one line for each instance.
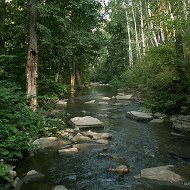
<point>49,142</point>
<point>182,123</point>
<point>85,122</point>
<point>60,187</point>
<point>121,170</point>
<point>97,136</point>
<point>124,97</point>
<point>80,138</point>
<point>162,173</point>
<point>90,102</point>
<point>139,116</point>
<point>68,150</point>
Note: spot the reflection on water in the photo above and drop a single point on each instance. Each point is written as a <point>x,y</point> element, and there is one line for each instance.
<point>139,145</point>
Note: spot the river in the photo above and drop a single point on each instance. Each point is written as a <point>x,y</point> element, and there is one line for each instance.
<point>137,144</point>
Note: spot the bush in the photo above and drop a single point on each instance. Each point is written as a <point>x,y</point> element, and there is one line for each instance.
<point>157,74</point>
<point>18,124</point>
<point>51,89</point>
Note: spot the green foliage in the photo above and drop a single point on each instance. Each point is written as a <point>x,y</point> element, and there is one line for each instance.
<point>4,171</point>
<point>18,124</point>
<point>156,75</point>
<point>52,89</point>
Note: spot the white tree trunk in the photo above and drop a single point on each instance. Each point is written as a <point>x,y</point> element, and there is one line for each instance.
<point>171,16</point>
<point>151,24</point>
<point>136,33</point>
<point>129,41</point>
<point>185,9</point>
<point>142,29</point>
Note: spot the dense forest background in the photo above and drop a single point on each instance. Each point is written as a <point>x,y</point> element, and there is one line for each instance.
<point>141,44</point>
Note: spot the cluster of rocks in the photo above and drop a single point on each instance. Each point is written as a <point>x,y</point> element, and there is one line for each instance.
<point>87,140</point>
<point>30,176</point>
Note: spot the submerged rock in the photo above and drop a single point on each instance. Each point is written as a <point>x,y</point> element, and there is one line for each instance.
<point>161,173</point>
<point>156,122</point>
<point>85,122</point>
<point>139,116</point>
<point>60,187</point>
<point>103,103</point>
<point>124,97</point>
<point>31,176</point>
<point>102,141</point>
<point>90,102</point>
<point>181,123</point>
<point>121,170</point>
<point>68,150</point>
<point>89,146</point>
<point>105,98</point>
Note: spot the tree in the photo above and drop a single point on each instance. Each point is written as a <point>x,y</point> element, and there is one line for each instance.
<point>2,24</point>
<point>32,59</point>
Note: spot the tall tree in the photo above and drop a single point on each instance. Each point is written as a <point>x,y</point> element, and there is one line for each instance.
<point>2,24</point>
<point>32,59</point>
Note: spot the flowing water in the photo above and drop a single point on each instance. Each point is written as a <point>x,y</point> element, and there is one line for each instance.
<point>136,145</point>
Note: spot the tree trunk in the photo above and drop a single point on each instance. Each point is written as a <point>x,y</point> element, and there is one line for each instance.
<point>32,59</point>
<point>138,51</point>
<point>129,41</point>
<point>2,25</point>
<point>72,79</point>
<point>151,24</point>
<point>142,29</point>
<point>79,76</point>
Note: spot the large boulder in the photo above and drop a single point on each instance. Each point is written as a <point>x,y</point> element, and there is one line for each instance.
<point>181,123</point>
<point>139,116</point>
<point>49,142</point>
<point>85,122</point>
<point>161,173</point>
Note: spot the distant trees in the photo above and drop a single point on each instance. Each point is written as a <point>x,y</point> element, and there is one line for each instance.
<point>136,26</point>
<point>69,42</point>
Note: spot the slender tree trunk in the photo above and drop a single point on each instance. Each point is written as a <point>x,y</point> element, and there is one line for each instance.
<point>72,79</point>
<point>136,32</point>
<point>79,75</point>
<point>129,40</point>
<point>172,16</point>
<point>32,59</point>
<point>185,9</point>
<point>162,35</point>
<point>2,25</point>
<point>151,24</point>
<point>142,29</point>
